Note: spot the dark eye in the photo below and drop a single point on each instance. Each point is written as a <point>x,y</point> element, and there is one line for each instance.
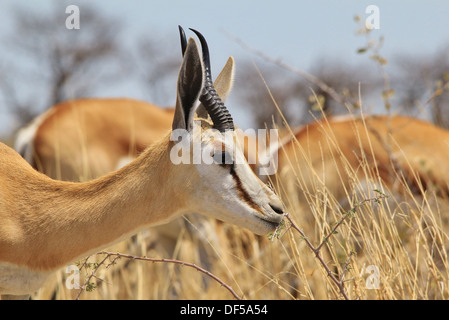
<point>224,159</point>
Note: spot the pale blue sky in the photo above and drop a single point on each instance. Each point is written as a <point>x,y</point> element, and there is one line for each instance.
<point>298,32</point>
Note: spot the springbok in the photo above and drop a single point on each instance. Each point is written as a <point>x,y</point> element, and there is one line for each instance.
<point>79,140</point>
<point>393,151</point>
<point>46,224</point>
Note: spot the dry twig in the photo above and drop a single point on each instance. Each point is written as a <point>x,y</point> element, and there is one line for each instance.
<point>316,249</point>
<point>117,255</point>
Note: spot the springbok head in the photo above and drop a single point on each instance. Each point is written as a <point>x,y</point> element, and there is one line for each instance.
<point>228,188</point>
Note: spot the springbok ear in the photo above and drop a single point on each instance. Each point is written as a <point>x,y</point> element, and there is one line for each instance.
<point>223,86</point>
<point>190,85</point>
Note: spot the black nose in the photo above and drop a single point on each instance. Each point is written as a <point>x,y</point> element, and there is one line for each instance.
<point>276,209</point>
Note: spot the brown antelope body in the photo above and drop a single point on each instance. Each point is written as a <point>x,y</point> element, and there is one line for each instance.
<point>79,140</point>
<point>393,151</point>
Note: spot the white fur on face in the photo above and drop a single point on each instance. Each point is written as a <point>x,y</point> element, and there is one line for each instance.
<point>232,192</point>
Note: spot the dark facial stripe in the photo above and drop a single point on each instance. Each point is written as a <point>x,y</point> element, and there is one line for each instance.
<point>242,192</point>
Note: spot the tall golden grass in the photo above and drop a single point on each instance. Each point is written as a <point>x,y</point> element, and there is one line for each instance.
<point>384,248</point>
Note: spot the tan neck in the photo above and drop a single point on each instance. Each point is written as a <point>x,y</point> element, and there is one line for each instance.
<point>76,219</point>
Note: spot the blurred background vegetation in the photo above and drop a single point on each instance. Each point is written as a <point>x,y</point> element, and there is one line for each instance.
<point>61,64</point>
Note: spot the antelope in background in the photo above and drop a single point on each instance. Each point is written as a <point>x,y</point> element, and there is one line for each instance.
<point>397,153</point>
<point>79,140</point>
<point>46,224</point>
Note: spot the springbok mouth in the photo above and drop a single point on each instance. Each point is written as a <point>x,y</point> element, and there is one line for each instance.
<point>270,224</point>
<point>277,210</point>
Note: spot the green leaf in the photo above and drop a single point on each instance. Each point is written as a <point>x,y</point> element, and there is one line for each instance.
<point>362,50</point>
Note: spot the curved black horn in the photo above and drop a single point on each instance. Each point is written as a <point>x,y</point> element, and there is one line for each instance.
<point>183,40</point>
<point>209,98</point>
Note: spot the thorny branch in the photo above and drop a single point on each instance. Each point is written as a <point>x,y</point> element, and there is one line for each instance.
<point>117,255</point>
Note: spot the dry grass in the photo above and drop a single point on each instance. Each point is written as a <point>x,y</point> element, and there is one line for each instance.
<point>404,238</point>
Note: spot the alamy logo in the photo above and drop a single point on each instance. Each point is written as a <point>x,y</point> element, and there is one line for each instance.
<point>372,281</point>
<point>73,278</point>
<point>73,20</point>
<point>223,148</point>
<point>373,20</point>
